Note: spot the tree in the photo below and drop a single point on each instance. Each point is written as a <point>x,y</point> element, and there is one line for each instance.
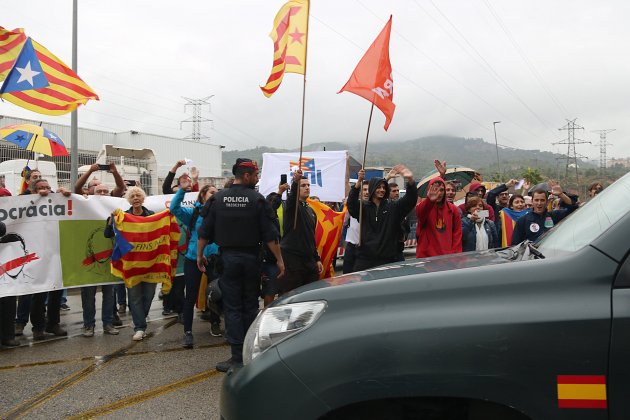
<point>532,176</point>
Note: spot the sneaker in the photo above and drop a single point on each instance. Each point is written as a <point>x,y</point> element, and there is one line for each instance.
<point>168,313</point>
<point>188,340</point>
<point>19,329</point>
<point>10,342</point>
<point>57,330</point>
<point>122,308</point>
<point>139,335</point>
<point>215,329</point>
<point>38,335</point>
<point>88,331</point>
<point>64,307</point>
<point>227,364</point>
<point>109,329</point>
<point>116,322</point>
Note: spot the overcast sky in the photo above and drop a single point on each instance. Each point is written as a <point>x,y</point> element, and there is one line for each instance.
<point>458,66</point>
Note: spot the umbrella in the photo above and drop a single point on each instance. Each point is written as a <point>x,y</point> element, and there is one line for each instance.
<point>34,138</point>
<point>460,176</point>
<point>542,186</point>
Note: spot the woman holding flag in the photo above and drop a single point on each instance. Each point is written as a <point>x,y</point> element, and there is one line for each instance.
<point>508,216</point>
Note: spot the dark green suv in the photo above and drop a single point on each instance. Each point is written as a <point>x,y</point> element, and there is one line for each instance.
<point>520,333</point>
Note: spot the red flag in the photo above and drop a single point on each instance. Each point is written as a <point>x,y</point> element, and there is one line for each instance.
<point>372,78</point>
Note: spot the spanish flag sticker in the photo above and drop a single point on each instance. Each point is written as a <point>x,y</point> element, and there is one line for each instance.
<point>582,391</point>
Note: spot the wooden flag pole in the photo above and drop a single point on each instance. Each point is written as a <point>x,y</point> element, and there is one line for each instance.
<point>297,196</point>
<point>367,136</point>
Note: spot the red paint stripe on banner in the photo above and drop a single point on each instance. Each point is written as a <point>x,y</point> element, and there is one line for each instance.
<point>98,256</point>
<point>582,404</point>
<point>18,262</point>
<point>581,379</point>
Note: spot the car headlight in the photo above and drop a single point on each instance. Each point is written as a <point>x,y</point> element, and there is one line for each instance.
<point>278,323</point>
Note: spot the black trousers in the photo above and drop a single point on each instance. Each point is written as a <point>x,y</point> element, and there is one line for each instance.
<point>8,308</point>
<point>349,258</point>
<point>298,271</point>
<point>42,316</point>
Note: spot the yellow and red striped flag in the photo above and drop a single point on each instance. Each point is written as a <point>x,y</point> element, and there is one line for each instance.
<point>145,248</point>
<point>42,83</point>
<point>327,234</point>
<point>11,43</point>
<point>289,35</point>
<point>582,391</point>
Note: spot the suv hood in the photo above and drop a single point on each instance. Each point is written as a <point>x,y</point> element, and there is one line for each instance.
<point>423,266</point>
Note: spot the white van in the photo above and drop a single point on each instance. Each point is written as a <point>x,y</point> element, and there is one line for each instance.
<point>11,170</point>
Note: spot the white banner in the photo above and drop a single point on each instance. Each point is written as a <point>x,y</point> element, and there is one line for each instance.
<point>57,242</point>
<point>326,172</point>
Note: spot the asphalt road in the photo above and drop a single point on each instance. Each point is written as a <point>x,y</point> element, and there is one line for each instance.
<point>112,376</point>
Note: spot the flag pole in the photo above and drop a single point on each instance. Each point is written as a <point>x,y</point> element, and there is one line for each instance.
<point>367,136</point>
<point>297,196</point>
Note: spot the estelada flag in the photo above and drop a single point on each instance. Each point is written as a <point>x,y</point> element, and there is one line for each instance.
<point>372,78</point>
<point>508,219</point>
<point>289,35</point>
<point>42,83</point>
<point>145,248</point>
<point>11,43</point>
<point>327,234</point>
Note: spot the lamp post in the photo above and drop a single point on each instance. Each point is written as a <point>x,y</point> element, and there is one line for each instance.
<point>496,144</point>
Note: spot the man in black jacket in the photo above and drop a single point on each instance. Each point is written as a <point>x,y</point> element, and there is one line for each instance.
<point>381,219</point>
<point>299,250</point>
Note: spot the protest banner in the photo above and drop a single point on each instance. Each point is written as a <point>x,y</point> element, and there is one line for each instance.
<point>57,242</point>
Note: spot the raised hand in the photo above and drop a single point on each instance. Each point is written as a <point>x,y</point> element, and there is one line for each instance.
<point>440,166</point>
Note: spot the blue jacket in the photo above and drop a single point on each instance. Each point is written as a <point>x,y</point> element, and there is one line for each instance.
<point>469,234</point>
<point>184,215</point>
<point>532,225</point>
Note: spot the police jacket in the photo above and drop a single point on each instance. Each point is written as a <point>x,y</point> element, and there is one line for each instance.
<point>532,225</point>
<point>301,240</point>
<point>381,227</point>
<point>238,218</point>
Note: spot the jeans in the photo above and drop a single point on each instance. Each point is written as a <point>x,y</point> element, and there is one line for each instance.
<point>192,276</point>
<point>140,298</point>
<point>23,309</point>
<point>7,318</point>
<point>45,315</point>
<point>121,294</point>
<point>88,302</point>
<point>240,287</point>
<point>349,258</point>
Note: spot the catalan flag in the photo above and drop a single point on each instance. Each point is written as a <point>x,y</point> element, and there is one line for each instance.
<point>145,248</point>
<point>42,83</point>
<point>306,164</point>
<point>327,234</point>
<point>11,43</point>
<point>582,391</point>
<point>289,35</point>
<point>508,219</point>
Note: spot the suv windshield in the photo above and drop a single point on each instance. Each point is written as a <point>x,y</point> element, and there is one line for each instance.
<point>588,222</point>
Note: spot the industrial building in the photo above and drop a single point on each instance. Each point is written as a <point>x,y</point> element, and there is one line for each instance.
<point>167,150</point>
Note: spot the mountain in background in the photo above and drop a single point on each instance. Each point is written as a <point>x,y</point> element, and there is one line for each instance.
<point>418,155</point>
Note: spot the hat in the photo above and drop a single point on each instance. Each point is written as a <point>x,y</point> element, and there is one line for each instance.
<point>244,163</point>
<point>5,193</point>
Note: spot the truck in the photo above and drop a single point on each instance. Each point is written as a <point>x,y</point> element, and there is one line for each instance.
<point>11,171</point>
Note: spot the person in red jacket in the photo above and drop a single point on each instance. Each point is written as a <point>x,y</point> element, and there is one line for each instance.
<point>480,189</point>
<point>439,229</point>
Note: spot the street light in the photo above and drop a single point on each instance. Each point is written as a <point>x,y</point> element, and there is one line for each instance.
<point>494,125</point>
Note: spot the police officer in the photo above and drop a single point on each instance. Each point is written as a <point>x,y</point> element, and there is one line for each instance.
<point>239,220</point>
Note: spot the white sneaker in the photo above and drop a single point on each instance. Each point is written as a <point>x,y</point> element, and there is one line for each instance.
<point>139,335</point>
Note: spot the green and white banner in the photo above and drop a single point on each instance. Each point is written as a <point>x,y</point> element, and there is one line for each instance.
<point>57,242</point>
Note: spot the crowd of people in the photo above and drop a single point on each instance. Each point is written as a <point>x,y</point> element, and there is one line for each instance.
<point>235,239</point>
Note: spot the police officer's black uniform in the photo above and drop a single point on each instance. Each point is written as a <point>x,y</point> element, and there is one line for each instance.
<point>238,220</point>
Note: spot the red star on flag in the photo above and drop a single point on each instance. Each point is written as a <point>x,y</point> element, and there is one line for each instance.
<point>329,215</point>
<point>296,36</point>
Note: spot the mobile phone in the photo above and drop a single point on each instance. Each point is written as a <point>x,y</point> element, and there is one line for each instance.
<point>103,167</point>
<point>130,182</point>
<point>283,178</point>
<point>483,213</point>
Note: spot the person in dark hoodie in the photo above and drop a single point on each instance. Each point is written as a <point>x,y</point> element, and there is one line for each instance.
<point>299,250</point>
<point>480,189</point>
<point>439,228</point>
<point>381,219</point>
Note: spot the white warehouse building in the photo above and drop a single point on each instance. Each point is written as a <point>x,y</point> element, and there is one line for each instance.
<point>167,150</point>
